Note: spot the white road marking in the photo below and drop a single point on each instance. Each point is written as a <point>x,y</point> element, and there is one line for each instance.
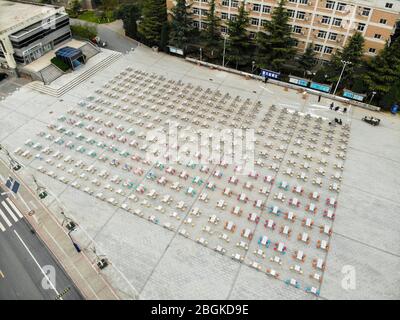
<point>37,263</point>
<point>15,208</point>
<point>5,218</point>
<point>2,227</point>
<point>9,211</point>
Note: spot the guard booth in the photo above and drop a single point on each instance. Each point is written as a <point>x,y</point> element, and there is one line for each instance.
<point>71,56</point>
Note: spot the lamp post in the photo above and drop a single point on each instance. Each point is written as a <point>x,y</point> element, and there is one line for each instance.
<point>201,50</point>
<point>223,53</point>
<point>345,63</point>
<point>372,97</point>
<point>253,64</point>
<point>14,164</point>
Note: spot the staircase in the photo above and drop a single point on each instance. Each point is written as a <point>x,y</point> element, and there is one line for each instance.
<point>89,50</point>
<point>50,73</point>
<point>58,92</point>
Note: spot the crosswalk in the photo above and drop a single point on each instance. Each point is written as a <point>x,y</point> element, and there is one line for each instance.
<point>9,214</point>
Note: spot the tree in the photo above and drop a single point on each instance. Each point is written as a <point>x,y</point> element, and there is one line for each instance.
<point>154,15</point>
<point>212,34</point>
<point>181,25</point>
<point>238,46</point>
<point>164,36</point>
<point>76,6</point>
<point>383,71</point>
<point>275,45</point>
<point>392,97</point>
<point>353,52</point>
<point>129,13</point>
<point>307,59</point>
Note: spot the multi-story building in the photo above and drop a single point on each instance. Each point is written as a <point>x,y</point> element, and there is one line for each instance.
<point>29,31</point>
<point>326,24</point>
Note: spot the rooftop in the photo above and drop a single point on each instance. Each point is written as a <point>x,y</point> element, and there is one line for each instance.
<point>13,14</point>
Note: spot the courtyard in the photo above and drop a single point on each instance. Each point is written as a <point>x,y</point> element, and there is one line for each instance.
<point>305,206</point>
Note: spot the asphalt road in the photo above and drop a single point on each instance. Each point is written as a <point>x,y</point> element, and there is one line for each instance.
<point>115,41</point>
<point>28,271</point>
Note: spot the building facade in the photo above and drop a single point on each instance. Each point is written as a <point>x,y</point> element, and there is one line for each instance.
<point>326,24</point>
<point>29,31</point>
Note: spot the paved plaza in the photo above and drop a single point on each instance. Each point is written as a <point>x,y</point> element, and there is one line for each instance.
<point>295,208</point>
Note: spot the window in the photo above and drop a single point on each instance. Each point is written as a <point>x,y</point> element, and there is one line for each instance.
<point>206,1</point>
<point>224,16</point>
<point>317,48</point>
<point>322,34</point>
<point>341,6</point>
<point>383,21</point>
<point>330,4</point>
<point>254,21</point>
<point>372,50</point>
<point>196,11</point>
<point>256,7</point>
<point>297,29</point>
<point>203,25</point>
<point>233,17</point>
<point>295,42</point>
<point>303,1</point>
<point>204,12</point>
<point>328,50</point>
<point>252,35</point>
<point>264,22</point>
<point>266,9</point>
<point>389,5</point>
<point>301,15</point>
<point>196,24</point>
<point>337,22</point>
<point>377,36</point>
<point>234,3</point>
<point>332,36</point>
<point>291,13</point>
<point>224,29</point>
<point>361,27</point>
<point>325,20</point>
<point>225,3</point>
<point>365,12</point>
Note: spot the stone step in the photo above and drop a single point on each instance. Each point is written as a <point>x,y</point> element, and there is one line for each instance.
<point>57,92</point>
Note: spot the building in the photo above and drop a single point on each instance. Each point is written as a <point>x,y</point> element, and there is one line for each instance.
<point>326,24</point>
<point>28,31</point>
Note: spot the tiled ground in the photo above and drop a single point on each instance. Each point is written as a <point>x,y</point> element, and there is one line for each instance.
<point>163,263</point>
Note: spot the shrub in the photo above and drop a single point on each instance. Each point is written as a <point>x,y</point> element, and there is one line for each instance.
<point>60,64</point>
<point>84,32</point>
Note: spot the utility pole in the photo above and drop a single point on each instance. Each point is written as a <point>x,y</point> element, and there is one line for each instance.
<point>14,164</point>
<point>41,191</point>
<point>345,63</point>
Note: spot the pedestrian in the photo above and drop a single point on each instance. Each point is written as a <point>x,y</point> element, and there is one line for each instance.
<point>319,98</point>
<point>265,80</point>
<point>344,110</point>
<point>331,106</point>
<point>337,108</point>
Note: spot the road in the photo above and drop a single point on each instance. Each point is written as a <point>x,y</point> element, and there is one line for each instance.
<point>115,40</point>
<point>28,271</point>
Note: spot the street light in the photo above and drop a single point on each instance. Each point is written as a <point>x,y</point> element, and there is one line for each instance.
<point>345,63</point>
<point>372,97</point>
<point>14,164</point>
<point>253,64</point>
<point>41,191</point>
<point>223,53</point>
<point>200,54</point>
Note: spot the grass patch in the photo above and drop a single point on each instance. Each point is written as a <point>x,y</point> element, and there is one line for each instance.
<point>97,16</point>
<point>83,32</point>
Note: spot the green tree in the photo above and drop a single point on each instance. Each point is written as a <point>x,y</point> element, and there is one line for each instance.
<point>392,96</point>
<point>212,33</point>
<point>307,59</point>
<point>383,70</point>
<point>181,25</point>
<point>129,13</point>
<point>275,46</point>
<point>164,36</point>
<point>238,44</point>
<point>76,6</point>
<point>154,15</point>
<point>353,52</point>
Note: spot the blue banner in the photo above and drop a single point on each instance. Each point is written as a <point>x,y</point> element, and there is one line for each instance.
<point>269,74</point>
<point>320,87</point>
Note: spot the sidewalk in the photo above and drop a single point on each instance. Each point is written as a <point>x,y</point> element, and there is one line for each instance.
<point>78,266</point>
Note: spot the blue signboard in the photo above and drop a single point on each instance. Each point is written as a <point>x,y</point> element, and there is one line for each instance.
<point>269,74</point>
<point>299,82</point>
<point>320,87</point>
<point>353,95</point>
